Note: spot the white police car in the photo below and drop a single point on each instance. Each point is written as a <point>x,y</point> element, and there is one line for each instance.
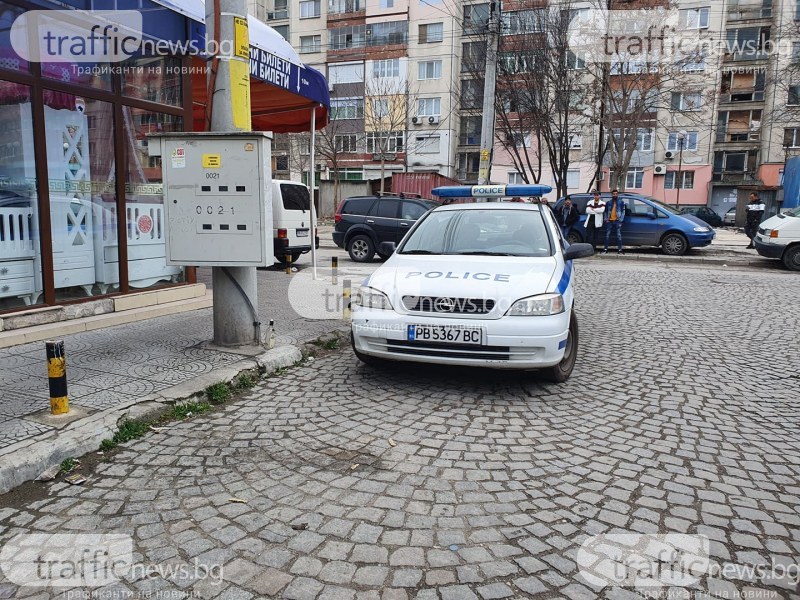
<point>486,284</point>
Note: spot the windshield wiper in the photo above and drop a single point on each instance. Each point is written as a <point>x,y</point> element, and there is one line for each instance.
<point>483,253</point>
<point>419,252</point>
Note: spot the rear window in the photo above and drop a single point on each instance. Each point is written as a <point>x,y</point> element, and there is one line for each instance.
<point>295,197</point>
<point>357,206</point>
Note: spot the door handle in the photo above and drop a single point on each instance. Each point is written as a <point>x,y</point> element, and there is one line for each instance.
<point>403,224</point>
<point>370,221</point>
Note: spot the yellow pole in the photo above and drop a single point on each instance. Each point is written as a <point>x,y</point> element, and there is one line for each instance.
<point>57,374</point>
<point>346,293</point>
<point>334,270</point>
<point>288,264</point>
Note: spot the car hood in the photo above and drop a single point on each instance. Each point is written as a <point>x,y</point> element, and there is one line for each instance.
<point>499,278</point>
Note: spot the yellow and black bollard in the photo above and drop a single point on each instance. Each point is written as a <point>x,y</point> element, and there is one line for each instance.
<point>57,373</point>
<point>335,270</point>
<point>346,293</point>
<point>288,264</point>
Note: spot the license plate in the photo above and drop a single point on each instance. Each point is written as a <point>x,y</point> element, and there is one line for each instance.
<point>302,233</point>
<point>449,334</point>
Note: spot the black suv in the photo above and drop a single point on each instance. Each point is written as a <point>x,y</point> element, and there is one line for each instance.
<point>363,222</point>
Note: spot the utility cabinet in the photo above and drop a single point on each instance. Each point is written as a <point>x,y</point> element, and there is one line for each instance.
<point>216,198</point>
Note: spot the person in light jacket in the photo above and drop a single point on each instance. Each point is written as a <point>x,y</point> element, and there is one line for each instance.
<point>594,218</point>
<point>755,212</point>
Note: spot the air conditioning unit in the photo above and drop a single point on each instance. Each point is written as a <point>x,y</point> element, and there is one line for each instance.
<point>659,169</point>
<point>320,166</point>
<point>433,120</point>
<point>416,120</point>
<point>669,154</point>
<point>602,176</point>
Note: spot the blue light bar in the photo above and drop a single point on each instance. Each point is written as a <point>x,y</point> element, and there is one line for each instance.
<point>496,190</point>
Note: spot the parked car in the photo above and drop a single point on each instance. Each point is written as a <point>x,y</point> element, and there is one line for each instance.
<point>730,217</point>
<point>704,214</point>
<point>486,285</point>
<point>779,237</point>
<point>291,220</point>
<point>364,222</point>
<point>648,222</point>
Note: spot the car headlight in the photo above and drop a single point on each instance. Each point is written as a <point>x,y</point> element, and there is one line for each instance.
<point>372,298</point>
<point>535,306</point>
<point>702,229</point>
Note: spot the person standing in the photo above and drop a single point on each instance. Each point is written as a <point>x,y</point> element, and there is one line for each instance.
<point>594,218</point>
<point>755,212</point>
<point>613,217</point>
<point>567,217</point>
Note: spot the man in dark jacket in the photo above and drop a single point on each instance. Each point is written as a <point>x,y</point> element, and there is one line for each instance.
<point>613,217</point>
<point>755,212</point>
<point>567,217</point>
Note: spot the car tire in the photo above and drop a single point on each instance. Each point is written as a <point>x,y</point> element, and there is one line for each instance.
<point>674,244</point>
<point>360,248</point>
<point>561,372</point>
<point>573,237</point>
<point>791,258</point>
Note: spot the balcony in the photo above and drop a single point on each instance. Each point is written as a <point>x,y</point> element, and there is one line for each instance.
<point>742,95</point>
<point>748,12</point>
<point>278,15</point>
<point>469,139</point>
<point>345,8</point>
<point>734,176</point>
<point>727,135</point>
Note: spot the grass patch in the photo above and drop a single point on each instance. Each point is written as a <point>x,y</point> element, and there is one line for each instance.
<point>68,464</point>
<point>218,393</point>
<point>185,410</point>
<point>245,382</point>
<point>128,430</point>
<point>331,344</point>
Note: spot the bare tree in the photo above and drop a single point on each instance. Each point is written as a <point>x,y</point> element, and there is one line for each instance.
<point>386,116</point>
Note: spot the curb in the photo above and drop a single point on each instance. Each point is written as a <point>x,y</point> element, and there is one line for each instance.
<point>687,261</point>
<point>26,459</point>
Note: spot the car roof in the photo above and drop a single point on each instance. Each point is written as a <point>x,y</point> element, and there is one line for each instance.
<point>489,205</point>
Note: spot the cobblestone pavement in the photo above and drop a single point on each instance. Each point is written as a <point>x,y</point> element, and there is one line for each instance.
<point>681,416</point>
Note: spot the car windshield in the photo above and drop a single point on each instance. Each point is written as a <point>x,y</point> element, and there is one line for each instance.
<point>666,207</point>
<point>479,232</point>
<point>795,212</point>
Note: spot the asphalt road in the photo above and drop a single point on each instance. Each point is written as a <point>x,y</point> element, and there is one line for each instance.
<point>337,480</point>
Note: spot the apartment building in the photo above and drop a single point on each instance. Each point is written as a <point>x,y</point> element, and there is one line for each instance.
<point>406,96</point>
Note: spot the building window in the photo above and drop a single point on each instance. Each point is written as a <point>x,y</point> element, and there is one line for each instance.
<point>695,18</point>
<point>692,101</point>
<point>428,144</point>
<point>634,179</point>
<point>791,137</point>
<point>345,6</point>
<point>346,73</point>
<point>349,174</point>
<point>387,3</point>
<point>283,30</point>
<point>384,34</point>
<point>515,178</point>
<point>686,179</point>
<point>476,18</point>
<point>380,108</point>
<point>383,141</point>
<point>429,107</point>
<point>518,140</point>
<point>353,36</point>
<point>310,43</point>
<point>575,140</point>
<point>797,11</point>
<point>644,138</point>
<point>521,21</point>
<point>470,134</point>
<point>689,142</point>
<point>513,62</point>
<point>468,165</point>
<point>282,162</point>
<point>575,61</point>
<point>473,57</point>
<point>431,32</point>
<point>794,94</point>
<point>309,8</point>
<point>472,93</point>
<point>430,69</point>
<point>346,142</point>
<point>386,68</point>
<point>347,108</point>
<point>573,179</point>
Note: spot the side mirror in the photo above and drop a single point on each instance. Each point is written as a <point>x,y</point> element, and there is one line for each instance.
<point>574,251</point>
<point>386,248</point>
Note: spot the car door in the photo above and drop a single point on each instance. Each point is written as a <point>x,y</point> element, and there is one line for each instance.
<point>383,219</point>
<point>641,227</point>
<point>409,213</point>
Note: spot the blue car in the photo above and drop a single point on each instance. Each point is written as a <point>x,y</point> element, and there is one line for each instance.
<point>648,222</point>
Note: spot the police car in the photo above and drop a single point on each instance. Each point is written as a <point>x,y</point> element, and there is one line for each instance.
<point>486,284</point>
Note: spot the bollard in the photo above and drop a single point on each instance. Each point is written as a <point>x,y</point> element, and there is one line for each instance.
<point>346,293</point>
<point>288,264</point>
<point>57,374</point>
<point>334,270</point>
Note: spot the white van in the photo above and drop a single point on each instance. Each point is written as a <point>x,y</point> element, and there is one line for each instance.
<point>291,220</point>
<point>779,237</point>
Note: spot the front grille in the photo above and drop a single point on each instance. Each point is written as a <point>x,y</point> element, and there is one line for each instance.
<point>449,350</point>
<point>446,305</point>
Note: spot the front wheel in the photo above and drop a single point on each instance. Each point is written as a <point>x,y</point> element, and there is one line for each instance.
<point>361,248</point>
<point>561,372</point>
<point>791,258</point>
<point>674,244</point>
<point>573,237</point>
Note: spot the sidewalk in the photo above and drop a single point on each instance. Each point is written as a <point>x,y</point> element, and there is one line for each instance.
<point>133,367</point>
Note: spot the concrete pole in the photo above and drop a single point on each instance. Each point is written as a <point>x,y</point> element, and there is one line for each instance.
<point>489,85</point>
<point>233,318</point>
<point>312,179</point>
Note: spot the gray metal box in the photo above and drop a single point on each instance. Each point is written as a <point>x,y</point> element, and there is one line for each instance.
<point>217,198</point>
